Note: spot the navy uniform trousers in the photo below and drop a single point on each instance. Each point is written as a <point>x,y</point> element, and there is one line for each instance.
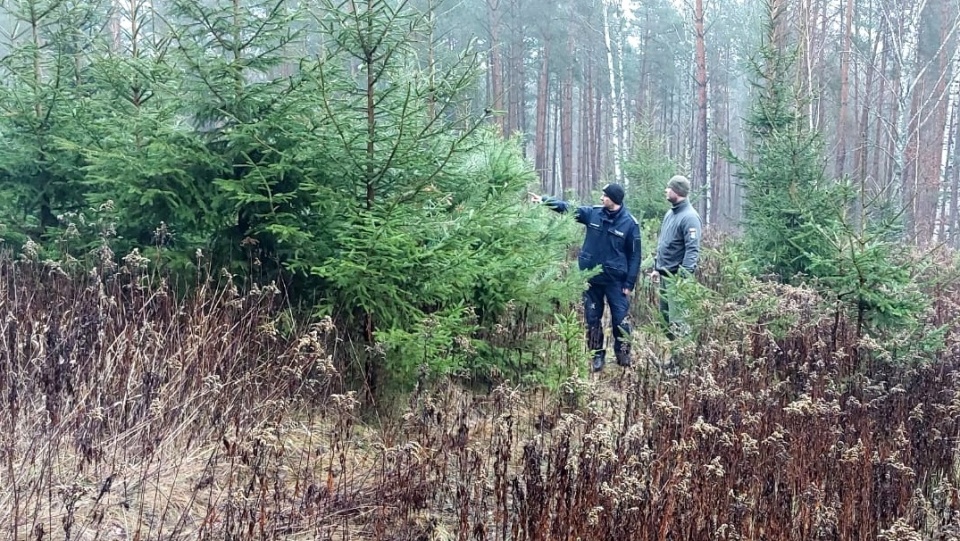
<point>593,305</point>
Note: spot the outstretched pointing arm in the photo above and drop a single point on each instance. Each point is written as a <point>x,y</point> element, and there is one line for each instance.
<point>559,205</point>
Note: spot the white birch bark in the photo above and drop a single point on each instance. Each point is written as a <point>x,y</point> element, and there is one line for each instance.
<point>622,99</point>
<point>949,160</point>
<point>616,128</point>
<point>904,44</point>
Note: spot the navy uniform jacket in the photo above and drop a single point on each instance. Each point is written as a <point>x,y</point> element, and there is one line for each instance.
<point>612,241</point>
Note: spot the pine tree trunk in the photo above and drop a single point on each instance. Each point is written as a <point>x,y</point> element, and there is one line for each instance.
<point>643,115</point>
<point>805,18</point>
<point>586,142</point>
<point>702,133</point>
<point>934,136</point>
<point>517,73</point>
<point>844,89</point>
<point>566,122</point>
<point>719,205</point>
<point>496,66</point>
<point>910,165</point>
<point>860,155</point>
<point>541,155</point>
<point>597,133</point>
<point>556,168</point>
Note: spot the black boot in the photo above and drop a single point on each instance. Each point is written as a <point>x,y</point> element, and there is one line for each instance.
<point>598,361</point>
<point>623,359</point>
<point>595,343</point>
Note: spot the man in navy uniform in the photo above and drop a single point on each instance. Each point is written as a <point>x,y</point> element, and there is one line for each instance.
<point>612,243</point>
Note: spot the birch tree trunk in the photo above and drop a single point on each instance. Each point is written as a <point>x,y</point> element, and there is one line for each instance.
<point>616,129</point>
<point>946,211</point>
<point>821,76</point>
<point>922,87</point>
<point>951,215</point>
<point>810,14</point>
<point>904,47</point>
<point>623,113</point>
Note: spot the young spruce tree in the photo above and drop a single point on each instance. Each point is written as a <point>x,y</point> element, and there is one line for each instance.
<point>788,201</point>
<point>246,99</point>
<point>428,241</point>
<point>366,176</point>
<point>797,223</point>
<point>143,160</point>
<point>44,83</point>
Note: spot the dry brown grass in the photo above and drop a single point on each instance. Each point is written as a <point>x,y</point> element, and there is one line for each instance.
<point>131,415</point>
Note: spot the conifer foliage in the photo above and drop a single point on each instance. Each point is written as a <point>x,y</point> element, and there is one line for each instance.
<point>788,199</point>
<point>329,146</point>
<point>44,69</point>
<point>800,226</point>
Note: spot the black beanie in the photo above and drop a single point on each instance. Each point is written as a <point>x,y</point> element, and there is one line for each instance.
<point>614,192</point>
